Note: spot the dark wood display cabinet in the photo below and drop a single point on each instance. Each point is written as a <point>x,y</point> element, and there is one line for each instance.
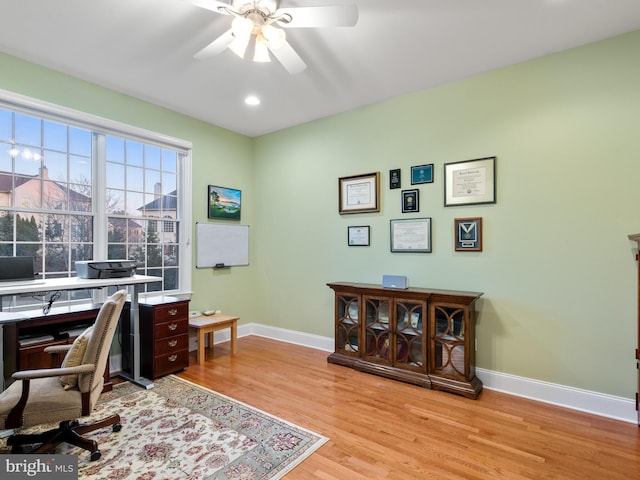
<point>416,335</point>
<point>164,337</point>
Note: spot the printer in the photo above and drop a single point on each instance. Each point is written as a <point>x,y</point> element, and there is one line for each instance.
<point>106,268</point>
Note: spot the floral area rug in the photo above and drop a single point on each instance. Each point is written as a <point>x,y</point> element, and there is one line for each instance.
<point>179,430</point>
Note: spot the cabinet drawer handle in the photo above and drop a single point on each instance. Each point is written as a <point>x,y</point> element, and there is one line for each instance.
<point>173,326</point>
<point>173,343</point>
<point>173,312</point>
<point>173,358</point>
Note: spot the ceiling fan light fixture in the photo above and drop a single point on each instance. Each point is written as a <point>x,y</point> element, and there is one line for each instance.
<point>242,27</point>
<point>275,36</point>
<point>261,52</point>
<point>239,45</point>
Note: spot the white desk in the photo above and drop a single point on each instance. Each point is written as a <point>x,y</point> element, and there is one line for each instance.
<point>75,283</point>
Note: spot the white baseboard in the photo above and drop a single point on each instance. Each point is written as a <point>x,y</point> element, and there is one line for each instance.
<point>595,403</point>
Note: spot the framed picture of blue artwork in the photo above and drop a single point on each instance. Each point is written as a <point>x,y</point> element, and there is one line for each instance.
<point>224,203</point>
<point>422,174</point>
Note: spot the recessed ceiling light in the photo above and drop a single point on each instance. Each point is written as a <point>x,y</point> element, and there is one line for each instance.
<point>252,100</point>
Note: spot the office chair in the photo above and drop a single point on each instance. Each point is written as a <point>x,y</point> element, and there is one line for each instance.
<point>64,394</point>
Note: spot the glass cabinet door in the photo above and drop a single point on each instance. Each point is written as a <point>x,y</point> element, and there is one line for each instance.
<point>449,342</point>
<point>377,341</point>
<point>410,351</point>
<point>347,326</point>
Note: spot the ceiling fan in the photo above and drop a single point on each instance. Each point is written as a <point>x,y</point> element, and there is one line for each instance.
<point>260,21</point>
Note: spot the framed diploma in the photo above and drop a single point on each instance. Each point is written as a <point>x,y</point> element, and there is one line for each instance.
<point>422,174</point>
<point>411,235</point>
<point>358,236</point>
<point>470,182</point>
<point>468,234</point>
<point>410,201</point>
<point>359,193</point>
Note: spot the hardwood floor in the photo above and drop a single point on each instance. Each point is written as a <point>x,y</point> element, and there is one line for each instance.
<point>384,429</point>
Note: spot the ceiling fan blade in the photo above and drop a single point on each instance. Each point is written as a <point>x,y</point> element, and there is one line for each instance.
<point>214,6</point>
<point>216,47</point>
<point>289,59</point>
<point>327,16</point>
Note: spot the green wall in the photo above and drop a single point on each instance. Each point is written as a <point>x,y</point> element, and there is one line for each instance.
<point>557,270</point>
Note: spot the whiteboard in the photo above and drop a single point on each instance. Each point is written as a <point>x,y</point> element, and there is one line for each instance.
<point>220,245</point>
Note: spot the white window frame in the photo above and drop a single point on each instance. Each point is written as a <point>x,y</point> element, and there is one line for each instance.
<point>50,111</point>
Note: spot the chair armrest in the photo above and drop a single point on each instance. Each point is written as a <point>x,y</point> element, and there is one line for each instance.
<point>53,372</point>
<point>14,418</point>
<point>58,348</point>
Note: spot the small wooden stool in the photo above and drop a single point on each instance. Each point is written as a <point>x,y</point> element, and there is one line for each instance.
<point>209,324</point>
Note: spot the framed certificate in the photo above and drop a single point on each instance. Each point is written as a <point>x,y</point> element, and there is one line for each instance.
<point>470,182</point>
<point>411,235</point>
<point>468,234</point>
<point>358,236</point>
<point>422,174</point>
<point>359,193</point>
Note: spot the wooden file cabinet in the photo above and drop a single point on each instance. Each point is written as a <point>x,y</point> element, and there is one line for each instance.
<point>164,338</point>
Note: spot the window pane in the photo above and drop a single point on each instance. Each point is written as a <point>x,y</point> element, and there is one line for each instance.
<point>169,184</point>
<point>169,161</point>
<point>80,169</point>
<point>27,227</point>
<point>79,141</point>
<point>135,178</point>
<point>81,228</point>
<point>80,198</point>
<point>134,153</point>
<point>56,258</point>
<point>6,125</point>
<point>152,157</point>
<point>115,149</point>
<point>26,163</point>
<point>115,175</point>
<point>6,227</point>
<point>55,196</point>
<point>115,201</point>
<point>6,160</point>
<point>153,182</point>
<point>56,166</point>
<point>28,130</point>
<point>56,228</point>
<point>135,204</point>
<point>55,136</point>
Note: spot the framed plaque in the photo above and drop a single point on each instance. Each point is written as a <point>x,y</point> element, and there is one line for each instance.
<point>411,235</point>
<point>470,182</point>
<point>410,201</point>
<point>394,178</point>
<point>422,174</point>
<point>359,193</point>
<point>358,236</point>
<point>468,234</point>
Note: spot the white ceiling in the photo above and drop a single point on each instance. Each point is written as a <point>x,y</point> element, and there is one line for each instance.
<point>145,48</point>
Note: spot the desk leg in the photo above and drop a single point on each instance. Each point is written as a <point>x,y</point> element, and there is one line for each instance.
<point>234,337</point>
<point>201,338</point>
<point>134,341</point>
